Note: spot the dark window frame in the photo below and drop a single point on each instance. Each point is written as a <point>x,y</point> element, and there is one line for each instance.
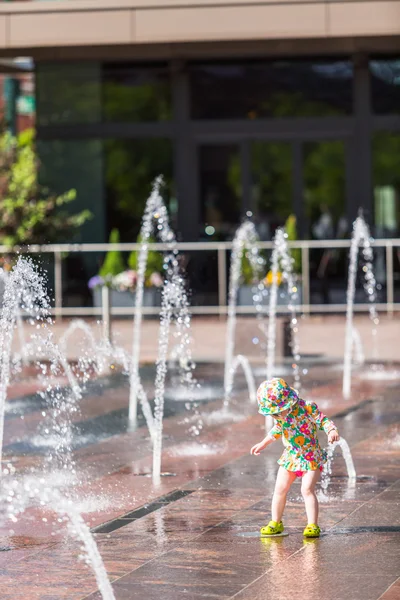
<point>356,130</point>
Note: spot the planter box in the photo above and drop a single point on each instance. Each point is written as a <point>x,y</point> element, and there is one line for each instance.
<point>340,296</point>
<point>151,298</point>
<point>245,296</point>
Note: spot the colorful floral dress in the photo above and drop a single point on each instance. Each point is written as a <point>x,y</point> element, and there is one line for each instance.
<point>299,435</point>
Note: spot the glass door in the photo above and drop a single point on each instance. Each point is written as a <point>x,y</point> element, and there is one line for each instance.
<point>325,216</point>
<point>272,199</point>
<point>220,179</point>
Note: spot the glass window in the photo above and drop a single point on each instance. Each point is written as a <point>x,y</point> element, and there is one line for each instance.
<point>77,164</point>
<point>386,187</point>
<point>271,169</point>
<point>68,93</point>
<point>385,86</point>
<point>324,194</point>
<point>220,191</point>
<point>325,189</point>
<point>386,182</point>
<point>271,89</point>
<point>136,93</point>
<point>130,167</point>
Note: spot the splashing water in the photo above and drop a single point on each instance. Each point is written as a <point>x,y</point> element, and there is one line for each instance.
<point>156,218</point>
<point>246,239</point>
<point>243,361</point>
<point>25,289</point>
<point>327,472</point>
<point>360,237</point>
<point>358,348</point>
<point>100,353</point>
<point>281,256</point>
<point>20,325</point>
<point>81,325</point>
<point>19,494</point>
<point>174,307</point>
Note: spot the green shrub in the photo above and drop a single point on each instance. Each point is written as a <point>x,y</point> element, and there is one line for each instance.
<point>155,260</point>
<point>113,263</point>
<point>248,276</point>
<point>291,230</point>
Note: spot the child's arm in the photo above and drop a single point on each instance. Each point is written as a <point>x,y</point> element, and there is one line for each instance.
<point>323,422</point>
<point>272,435</point>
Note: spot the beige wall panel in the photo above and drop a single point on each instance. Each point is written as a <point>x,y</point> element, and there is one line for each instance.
<point>69,29</point>
<point>251,22</point>
<point>66,5</point>
<point>364,18</point>
<point>3,32</point>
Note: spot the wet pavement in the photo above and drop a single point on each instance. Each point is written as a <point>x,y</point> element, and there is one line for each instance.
<point>195,535</point>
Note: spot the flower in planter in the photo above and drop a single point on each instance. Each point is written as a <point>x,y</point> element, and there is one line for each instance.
<point>6,263</point>
<point>96,282</point>
<point>269,279</point>
<point>156,280</point>
<point>125,281</point>
<point>114,275</point>
<point>154,265</point>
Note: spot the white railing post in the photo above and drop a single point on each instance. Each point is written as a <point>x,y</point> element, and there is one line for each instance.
<point>222,280</point>
<point>106,312</point>
<point>305,278</point>
<point>58,284</point>
<point>221,248</point>
<point>389,279</point>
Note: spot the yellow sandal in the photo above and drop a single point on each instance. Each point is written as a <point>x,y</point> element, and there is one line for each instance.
<point>273,528</point>
<point>312,531</point>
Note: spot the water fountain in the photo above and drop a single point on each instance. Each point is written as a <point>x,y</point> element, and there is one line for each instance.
<point>358,349</point>
<point>23,354</point>
<point>19,494</point>
<point>175,307</point>
<point>327,472</point>
<point>360,237</point>
<point>100,353</point>
<point>246,239</point>
<point>93,346</point>
<point>281,257</point>
<point>25,290</point>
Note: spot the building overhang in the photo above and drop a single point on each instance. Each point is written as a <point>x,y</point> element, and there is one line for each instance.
<point>75,29</point>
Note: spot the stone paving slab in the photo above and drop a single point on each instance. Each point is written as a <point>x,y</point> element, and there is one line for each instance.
<point>191,548</point>
<point>318,335</point>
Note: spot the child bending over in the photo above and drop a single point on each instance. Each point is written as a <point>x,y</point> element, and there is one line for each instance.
<point>297,423</point>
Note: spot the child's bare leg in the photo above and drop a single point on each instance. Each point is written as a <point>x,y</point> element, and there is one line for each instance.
<point>284,480</point>
<point>309,481</point>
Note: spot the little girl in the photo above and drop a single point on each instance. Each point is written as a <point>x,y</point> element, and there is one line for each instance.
<point>297,422</point>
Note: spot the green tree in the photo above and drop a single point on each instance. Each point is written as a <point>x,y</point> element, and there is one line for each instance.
<point>30,213</point>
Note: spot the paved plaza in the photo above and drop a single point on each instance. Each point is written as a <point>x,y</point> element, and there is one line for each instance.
<point>195,535</point>
<point>317,335</point>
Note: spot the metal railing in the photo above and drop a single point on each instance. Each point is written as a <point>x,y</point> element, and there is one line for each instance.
<point>221,248</point>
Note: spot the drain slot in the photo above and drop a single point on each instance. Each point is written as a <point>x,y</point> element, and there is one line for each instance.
<point>366,529</point>
<point>141,512</point>
<point>352,409</point>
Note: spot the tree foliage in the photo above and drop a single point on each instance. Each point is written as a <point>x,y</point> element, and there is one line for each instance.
<point>31,213</point>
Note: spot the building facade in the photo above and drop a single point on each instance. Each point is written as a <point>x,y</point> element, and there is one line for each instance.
<point>274,107</point>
